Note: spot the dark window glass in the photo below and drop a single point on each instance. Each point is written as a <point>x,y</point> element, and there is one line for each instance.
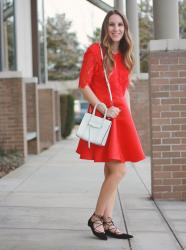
<point>8,48</point>
<point>42,41</point>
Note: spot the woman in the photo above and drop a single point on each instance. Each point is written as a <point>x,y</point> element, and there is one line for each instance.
<point>123,142</point>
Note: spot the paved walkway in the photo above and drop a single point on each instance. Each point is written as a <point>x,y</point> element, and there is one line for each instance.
<point>45,205</point>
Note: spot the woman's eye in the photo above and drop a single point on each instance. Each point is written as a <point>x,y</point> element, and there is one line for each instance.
<point>113,24</point>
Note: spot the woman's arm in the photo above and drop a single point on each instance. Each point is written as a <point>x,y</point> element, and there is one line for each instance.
<point>89,95</point>
<point>92,99</point>
<point>127,98</point>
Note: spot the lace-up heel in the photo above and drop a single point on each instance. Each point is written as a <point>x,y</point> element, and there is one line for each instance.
<point>98,221</point>
<point>112,231</point>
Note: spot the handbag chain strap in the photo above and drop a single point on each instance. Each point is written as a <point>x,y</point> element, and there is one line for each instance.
<point>107,81</point>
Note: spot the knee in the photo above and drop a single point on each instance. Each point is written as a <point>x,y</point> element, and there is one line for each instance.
<point>118,173</point>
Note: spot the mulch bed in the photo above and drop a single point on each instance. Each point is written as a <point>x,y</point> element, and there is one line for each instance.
<point>9,161</point>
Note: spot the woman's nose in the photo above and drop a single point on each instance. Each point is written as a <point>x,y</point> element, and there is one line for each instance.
<point>116,27</point>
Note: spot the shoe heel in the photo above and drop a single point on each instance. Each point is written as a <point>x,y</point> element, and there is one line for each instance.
<point>102,236</point>
<point>89,223</point>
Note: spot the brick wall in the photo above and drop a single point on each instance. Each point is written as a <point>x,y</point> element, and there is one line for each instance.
<point>168,124</point>
<point>12,113</point>
<point>139,102</point>
<point>24,109</point>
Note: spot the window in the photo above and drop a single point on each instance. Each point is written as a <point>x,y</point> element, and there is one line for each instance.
<point>7,35</point>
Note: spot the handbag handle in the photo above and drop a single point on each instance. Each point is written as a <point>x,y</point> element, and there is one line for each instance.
<point>107,81</point>
<point>93,123</point>
<point>103,105</point>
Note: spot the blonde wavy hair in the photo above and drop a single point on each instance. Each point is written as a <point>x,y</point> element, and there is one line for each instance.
<point>125,45</point>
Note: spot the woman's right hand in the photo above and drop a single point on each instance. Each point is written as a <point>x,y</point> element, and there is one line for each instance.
<point>113,112</point>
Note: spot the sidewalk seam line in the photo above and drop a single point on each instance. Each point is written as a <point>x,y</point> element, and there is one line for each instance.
<point>158,208</point>
<point>123,217</point>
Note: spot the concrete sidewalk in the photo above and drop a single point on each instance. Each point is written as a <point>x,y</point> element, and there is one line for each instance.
<point>45,205</point>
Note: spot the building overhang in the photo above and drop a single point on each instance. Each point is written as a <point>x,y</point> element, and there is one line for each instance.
<point>101,5</point>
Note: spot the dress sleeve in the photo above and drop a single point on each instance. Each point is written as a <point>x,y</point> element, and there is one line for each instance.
<point>87,68</point>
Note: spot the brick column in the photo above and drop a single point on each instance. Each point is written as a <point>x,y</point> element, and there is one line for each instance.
<point>32,111</point>
<point>167,65</point>
<point>12,112</point>
<point>46,117</point>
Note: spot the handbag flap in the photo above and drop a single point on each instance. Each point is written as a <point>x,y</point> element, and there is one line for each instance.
<point>96,122</point>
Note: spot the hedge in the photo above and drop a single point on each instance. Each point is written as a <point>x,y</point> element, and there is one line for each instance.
<point>67,114</point>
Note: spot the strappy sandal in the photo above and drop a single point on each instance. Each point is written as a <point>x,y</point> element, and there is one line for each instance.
<point>98,221</point>
<point>112,231</point>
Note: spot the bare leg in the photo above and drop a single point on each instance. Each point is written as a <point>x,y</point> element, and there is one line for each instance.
<point>110,203</point>
<point>114,171</point>
<point>107,217</point>
<point>109,187</point>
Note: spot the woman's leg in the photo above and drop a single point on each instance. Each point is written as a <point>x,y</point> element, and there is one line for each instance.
<point>110,203</point>
<point>113,176</point>
<point>114,172</point>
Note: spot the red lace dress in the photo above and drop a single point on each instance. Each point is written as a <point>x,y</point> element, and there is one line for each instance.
<point>123,143</point>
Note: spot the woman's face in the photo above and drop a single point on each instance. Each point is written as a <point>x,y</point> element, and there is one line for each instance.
<point>116,28</point>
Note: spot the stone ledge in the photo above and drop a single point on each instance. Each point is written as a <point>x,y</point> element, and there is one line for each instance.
<point>30,80</point>
<point>167,45</point>
<point>141,76</point>
<point>45,86</point>
<point>31,135</point>
<point>10,74</point>
<point>56,128</point>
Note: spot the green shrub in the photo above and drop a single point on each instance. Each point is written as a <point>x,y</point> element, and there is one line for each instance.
<point>67,114</point>
<point>63,112</point>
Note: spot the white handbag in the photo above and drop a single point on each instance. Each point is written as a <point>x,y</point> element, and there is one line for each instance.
<point>95,129</point>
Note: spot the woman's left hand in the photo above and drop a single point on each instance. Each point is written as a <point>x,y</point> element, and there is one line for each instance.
<point>113,112</point>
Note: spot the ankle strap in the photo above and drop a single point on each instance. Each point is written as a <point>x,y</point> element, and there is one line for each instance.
<point>107,218</point>
<point>98,216</point>
<point>108,221</point>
